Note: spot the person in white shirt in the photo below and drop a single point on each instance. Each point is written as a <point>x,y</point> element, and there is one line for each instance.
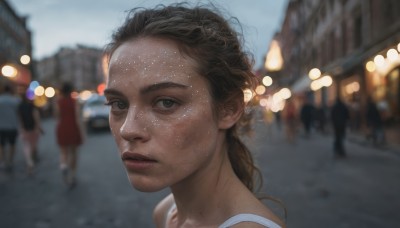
<point>8,126</point>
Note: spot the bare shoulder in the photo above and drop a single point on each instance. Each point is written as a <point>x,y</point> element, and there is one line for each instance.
<point>161,210</point>
<point>250,204</point>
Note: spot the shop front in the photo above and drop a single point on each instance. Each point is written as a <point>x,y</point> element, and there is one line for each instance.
<point>382,82</point>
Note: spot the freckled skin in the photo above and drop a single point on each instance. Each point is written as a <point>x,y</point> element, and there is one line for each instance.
<point>182,139</point>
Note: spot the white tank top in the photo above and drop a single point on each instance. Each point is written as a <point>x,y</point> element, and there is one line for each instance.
<point>249,218</point>
<point>242,218</point>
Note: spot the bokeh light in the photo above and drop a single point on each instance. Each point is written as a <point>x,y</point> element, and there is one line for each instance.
<point>39,91</point>
<point>314,73</point>
<point>49,92</point>
<point>370,66</point>
<point>392,54</point>
<point>267,81</point>
<point>260,89</point>
<point>379,60</point>
<point>25,59</point>
<point>9,71</point>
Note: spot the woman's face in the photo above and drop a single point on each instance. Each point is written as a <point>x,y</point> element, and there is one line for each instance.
<point>161,113</point>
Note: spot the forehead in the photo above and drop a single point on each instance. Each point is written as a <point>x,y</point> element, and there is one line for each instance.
<point>148,60</point>
<point>150,53</point>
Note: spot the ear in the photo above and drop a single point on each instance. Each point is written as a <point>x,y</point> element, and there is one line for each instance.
<point>230,113</point>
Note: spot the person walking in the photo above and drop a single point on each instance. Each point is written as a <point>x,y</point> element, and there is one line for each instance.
<point>8,126</point>
<point>374,123</point>
<point>30,129</point>
<point>339,117</point>
<point>69,134</point>
<point>307,116</point>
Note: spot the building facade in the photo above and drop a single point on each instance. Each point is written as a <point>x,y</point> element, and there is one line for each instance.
<point>80,65</point>
<point>355,42</point>
<point>15,42</point>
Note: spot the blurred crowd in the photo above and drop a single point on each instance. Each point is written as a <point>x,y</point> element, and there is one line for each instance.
<point>304,118</point>
<point>21,119</point>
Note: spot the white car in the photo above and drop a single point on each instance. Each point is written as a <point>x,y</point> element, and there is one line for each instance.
<point>95,113</point>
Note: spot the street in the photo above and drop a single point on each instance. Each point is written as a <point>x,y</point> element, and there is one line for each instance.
<point>316,189</point>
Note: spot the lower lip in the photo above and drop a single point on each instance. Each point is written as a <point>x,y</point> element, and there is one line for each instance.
<point>138,165</point>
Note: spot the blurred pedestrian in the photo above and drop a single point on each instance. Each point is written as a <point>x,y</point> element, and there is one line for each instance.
<point>8,126</point>
<point>307,116</point>
<point>69,133</point>
<point>374,123</point>
<point>321,118</point>
<point>290,119</point>
<point>30,129</point>
<point>339,116</point>
<point>175,87</point>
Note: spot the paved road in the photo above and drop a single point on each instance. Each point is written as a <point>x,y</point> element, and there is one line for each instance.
<point>102,198</point>
<point>320,191</point>
<point>317,190</point>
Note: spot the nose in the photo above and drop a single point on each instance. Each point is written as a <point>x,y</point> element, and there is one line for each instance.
<point>134,127</point>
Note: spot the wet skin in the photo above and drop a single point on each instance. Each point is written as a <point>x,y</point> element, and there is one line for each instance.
<point>161,114</point>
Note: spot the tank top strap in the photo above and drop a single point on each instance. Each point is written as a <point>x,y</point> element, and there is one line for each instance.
<point>249,218</point>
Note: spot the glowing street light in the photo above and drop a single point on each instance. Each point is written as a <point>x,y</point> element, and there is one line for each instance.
<point>370,66</point>
<point>274,60</point>
<point>379,60</point>
<point>9,71</point>
<point>39,91</point>
<point>267,81</point>
<point>49,92</point>
<point>392,54</point>
<point>285,92</point>
<point>260,89</point>
<point>25,59</point>
<point>315,85</point>
<point>314,73</point>
<point>326,81</point>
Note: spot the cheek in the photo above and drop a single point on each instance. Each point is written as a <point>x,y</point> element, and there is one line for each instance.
<point>193,132</point>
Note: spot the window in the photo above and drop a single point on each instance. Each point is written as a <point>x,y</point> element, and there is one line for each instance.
<point>344,38</point>
<point>357,32</point>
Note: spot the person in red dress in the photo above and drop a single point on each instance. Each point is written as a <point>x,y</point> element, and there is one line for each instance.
<point>69,134</point>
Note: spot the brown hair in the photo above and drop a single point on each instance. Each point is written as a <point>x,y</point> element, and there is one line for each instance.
<point>204,35</point>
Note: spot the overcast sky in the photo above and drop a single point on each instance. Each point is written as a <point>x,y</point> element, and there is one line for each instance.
<point>65,23</point>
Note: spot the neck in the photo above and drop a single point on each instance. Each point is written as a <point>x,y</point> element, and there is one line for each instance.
<point>204,195</point>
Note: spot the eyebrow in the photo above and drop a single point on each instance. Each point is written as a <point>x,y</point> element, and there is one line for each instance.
<point>162,85</point>
<point>150,88</point>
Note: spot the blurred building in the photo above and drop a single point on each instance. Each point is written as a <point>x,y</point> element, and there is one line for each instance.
<point>80,65</point>
<point>15,47</point>
<point>355,42</point>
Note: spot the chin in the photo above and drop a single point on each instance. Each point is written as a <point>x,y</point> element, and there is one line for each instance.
<point>145,186</point>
